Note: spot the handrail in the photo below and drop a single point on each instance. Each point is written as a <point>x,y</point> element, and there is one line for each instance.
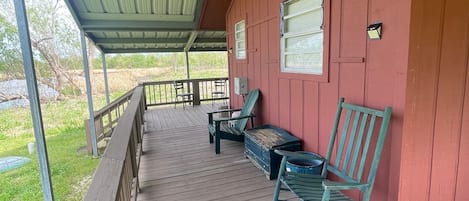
<point>116,177</point>
<point>163,93</point>
<point>155,93</point>
<point>105,119</point>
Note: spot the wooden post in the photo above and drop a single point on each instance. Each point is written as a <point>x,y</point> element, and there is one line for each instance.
<point>196,98</point>
<point>89,147</point>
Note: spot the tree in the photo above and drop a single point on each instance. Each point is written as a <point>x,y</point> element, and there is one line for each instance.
<point>53,37</point>
<point>51,32</point>
<point>10,59</point>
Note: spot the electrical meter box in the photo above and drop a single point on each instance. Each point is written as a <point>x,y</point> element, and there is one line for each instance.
<point>241,85</point>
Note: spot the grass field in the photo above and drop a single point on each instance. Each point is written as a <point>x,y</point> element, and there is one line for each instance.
<point>71,168</point>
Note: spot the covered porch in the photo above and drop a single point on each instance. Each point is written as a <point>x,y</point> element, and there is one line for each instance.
<point>420,70</point>
<point>178,163</point>
<point>161,151</point>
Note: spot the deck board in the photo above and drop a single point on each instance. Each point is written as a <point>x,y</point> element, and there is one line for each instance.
<point>180,164</point>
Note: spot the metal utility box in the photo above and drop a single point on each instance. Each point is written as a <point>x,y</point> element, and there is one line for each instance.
<point>260,144</point>
<point>241,85</point>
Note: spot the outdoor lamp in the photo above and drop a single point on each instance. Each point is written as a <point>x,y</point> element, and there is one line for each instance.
<point>374,31</point>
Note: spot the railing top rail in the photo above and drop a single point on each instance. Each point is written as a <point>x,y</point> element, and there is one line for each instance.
<point>184,80</point>
<point>105,185</point>
<point>121,135</point>
<point>114,103</point>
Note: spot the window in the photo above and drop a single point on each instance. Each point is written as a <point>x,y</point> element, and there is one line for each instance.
<point>302,36</point>
<point>240,40</point>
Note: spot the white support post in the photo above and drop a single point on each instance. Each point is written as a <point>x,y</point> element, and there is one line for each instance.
<point>106,85</point>
<point>89,94</point>
<point>187,66</point>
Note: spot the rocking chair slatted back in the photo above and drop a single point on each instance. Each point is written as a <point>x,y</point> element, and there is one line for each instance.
<point>355,147</point>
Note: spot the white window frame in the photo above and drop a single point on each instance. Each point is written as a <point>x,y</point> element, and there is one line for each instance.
<point>316,69</point>
<point>240,52</point>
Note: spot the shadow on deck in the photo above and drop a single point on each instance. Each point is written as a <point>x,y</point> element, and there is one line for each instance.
<point>180,164</point>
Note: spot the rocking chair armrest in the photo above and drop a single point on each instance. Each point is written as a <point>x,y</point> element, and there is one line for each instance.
<point>226,110</point>
<point>333,185</point>
<point>211,120</point>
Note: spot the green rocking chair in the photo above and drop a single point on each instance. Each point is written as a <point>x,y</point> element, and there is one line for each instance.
<point>351,156</point>
<point>219,131</point>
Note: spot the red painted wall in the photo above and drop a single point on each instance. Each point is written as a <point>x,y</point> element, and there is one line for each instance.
<point>435,152</point>
<point>371,73</point>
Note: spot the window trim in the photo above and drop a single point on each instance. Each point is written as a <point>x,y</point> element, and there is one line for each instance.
<point>292,74</point>
<point>237,41</point>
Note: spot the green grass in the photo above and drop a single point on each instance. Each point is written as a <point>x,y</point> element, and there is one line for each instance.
<point>63,121</point>
<point>70,168</point>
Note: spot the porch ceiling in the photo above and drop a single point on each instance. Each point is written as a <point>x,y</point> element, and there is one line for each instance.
<point>131,26</point>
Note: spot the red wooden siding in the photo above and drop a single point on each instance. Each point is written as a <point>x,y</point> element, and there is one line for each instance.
<point>435,152</point>
<point>366,72</point>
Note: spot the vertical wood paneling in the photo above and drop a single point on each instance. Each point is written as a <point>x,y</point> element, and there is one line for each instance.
<point>420,101</point>
<point>451,88</point>
<point>328,100</point>
<point>311,116</point>
<point>351,82</point>
<point>274,43</point>
<point>433,148</point>
<point>297,108</point>
<point>274,95</point>
<point>306,107</point>
<point>463,166</point>
<point>353,39</point>
<point>264,12</point>
<point>329,92</point>
<point>391,156</point>
<point>256,64</point>
<point>252,59</point>
<point>265,83</point>
<point>352,44</point>
<point>284,98</point>
<point>273,7</point>
<point>273,52</point>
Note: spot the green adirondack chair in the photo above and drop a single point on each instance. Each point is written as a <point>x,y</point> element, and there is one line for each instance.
<point>219,131</point>
<point>354,149</point>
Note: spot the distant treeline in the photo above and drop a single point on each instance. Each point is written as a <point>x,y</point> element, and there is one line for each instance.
<point>175,60</point>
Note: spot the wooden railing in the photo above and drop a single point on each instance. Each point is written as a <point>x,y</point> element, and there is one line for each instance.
<point>163,93</point>
<point>117,175</point>
<point>105,119</point>
<point>155,93</point>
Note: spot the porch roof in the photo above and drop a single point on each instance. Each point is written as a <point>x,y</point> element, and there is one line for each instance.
<point>133,26</point>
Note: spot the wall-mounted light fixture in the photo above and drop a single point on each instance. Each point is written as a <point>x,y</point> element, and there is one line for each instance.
<point>230,50</point>
<point>374,31</point>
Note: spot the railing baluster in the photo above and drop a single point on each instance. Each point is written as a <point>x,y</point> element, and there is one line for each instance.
<point>162,92</point>
<point>159,93</point>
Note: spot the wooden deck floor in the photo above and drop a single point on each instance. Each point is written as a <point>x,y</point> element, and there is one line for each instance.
<point>179,163</point>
